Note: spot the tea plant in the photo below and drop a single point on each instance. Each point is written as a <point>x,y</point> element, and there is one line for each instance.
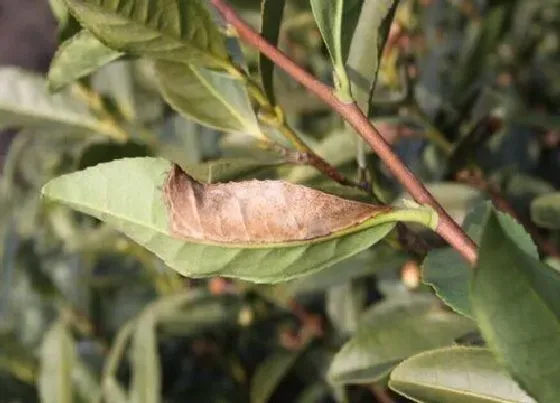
<point>196,210</point>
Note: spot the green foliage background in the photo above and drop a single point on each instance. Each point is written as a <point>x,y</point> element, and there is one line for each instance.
<point>90,313</point>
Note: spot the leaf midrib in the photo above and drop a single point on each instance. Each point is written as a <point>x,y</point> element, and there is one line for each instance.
<point>163,34</point>
<point>233,111</point>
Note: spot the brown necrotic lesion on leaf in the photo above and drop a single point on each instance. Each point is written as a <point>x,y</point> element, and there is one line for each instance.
<point>269,211</point>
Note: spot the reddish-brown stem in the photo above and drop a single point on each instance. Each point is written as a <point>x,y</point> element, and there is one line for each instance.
<point>447,228</point>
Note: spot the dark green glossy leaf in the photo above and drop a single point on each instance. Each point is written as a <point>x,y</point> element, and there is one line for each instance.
<point>211,98</point>
<point>456,375</point>
<point>337,21</point>
<point>515,302</point>
<point>127,194</point>
<point>366,49</point>
<point>448,273</point>
<point>78,57</point>
<point>545,211</point>
<point>272,12</point>
<point>181,31</point>
<point>391,332</point>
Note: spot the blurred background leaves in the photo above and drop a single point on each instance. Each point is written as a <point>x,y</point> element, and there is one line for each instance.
<point>468,95</point>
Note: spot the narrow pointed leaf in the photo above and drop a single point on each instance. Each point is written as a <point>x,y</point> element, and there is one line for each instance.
<point>26,102</point>
<point>111,389</point>
<point>391,332</point>
<point>146,380</point>
<point>337,20</point>
<point>270,373</point>
<point>174,30</point>
<point>545,211</point>
<point>456,375</point>
<point>448,273</point>
<point>515,302</point>
<point>57,360</point>
<point>211,98</point>
<point>113,392</point>
<point>128,195</point>
<point>86,384</point>
<point>367,47</point>
<point>272,12</point>
<point>78,57</point>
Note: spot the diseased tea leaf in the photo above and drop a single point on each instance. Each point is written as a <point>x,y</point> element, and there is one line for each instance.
<point>211,98</point>
<point>257,211</point>
<point>458,375</point>
<point>181,31</point>
<point>128,195</point>
<point>78,57</point>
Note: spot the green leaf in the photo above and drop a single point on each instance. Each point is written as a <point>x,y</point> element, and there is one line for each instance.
<point>448,273</point>
<point>67,24</point>
<point>146,379</point>
<point>211,98</point>
<point>57,360</point>
<point>272,12</point>
<point>366,49</point>
<point>146,382</point>
<point>545,211</point>
<point>200,316</point>
<point>515,302</point>
<point>15,358</point>
<point>86,384</point>
<point>337,21</point>
<point>113,392</point>
<point>127,195</point>
<point>78,57</point>
<point>181,31</point>
<point>314,393</point>
<point>25,102</point>
<point>365,263</point>
<point>270,373</point>
<point>391,332</point>
<point>456,375</point>
<point>111,389</point>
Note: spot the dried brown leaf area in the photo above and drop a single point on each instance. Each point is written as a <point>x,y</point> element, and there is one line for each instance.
<point>256,211</point>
